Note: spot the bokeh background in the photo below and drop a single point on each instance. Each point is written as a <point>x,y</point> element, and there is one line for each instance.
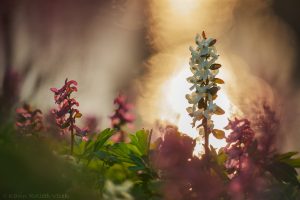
<point>140,48</point>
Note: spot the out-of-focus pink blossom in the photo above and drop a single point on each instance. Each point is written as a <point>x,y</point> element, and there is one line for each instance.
<point>267,125</point>
<point>118,136</point>
<point>186,177</point>
<point>245,171</point>
<point>122,115</point>
<point>238,143</point>
<point>29,120</point>
<point>85,138</point>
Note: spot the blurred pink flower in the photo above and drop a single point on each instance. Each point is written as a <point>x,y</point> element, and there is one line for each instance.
<point>28,119</point>
<point>85,138</point>
<point>238,143</point>
<point>186,177</point>
<point>267,125</point>
<point>122,115</point>
<point>244,169</point>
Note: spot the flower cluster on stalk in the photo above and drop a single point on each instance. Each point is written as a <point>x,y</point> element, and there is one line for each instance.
<point>245,164</point>
<point>29,119</point>
<point>204,87</point>
<point>238,145</point>
<point>66,113</point>
<point>122,115</point>
<point>267,124</point>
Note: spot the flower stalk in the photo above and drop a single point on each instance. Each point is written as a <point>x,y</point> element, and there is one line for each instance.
<point>122,115</point>
<point>204,88</point>
<point>239,141</point>
<point>66,114</point>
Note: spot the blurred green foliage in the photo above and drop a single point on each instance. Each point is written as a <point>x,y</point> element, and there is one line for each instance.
<point>102,169</point>
<point>35,164</point>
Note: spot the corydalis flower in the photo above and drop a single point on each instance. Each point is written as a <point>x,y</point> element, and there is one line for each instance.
<point>122,115</point>
<point>204,69</point>
<point>239,142</point>
<point>29,119</point>
<point>267,125</point>
<point>245,163</point>
<point>66,113</point>
<point>205,87</point>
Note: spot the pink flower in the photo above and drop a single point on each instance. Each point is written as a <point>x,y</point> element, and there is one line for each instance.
<point>239,142</point>
<point>184,176</point>
<point>28,119</point>
<point>244,165</point>
<point>66,113</point>
<point>122,115</point>
<point>84,138</point>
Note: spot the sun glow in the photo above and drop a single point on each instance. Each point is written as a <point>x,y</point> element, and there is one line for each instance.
<point>174,108</point>
<point>183,7</point>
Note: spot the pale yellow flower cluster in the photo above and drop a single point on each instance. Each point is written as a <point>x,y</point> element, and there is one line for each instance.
<point>204,82</point>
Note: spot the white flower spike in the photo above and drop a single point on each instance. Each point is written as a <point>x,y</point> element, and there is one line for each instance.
<point>204,86</point>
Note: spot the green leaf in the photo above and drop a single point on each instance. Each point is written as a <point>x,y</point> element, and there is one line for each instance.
<point>286,155</point>
<point>88,145</point>
<point>91,147</point>
<point>292,162</point>
<point>79,149</point>
<point>219,134</point>
<point>136,168</point>
<point>283,172</point>
<point>140,140</point>
<point>121,151</point>
<point>107,157</point>
<point>138,161</point>
<point>221,158</point>
<point>102,138</point>
<point>65,125</point>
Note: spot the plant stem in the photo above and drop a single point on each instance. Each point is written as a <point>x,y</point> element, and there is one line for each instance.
<point>72,141</point>
<point>71,127</point>
<point>122,136</point>
<point>206,137</point>
<point>72,131</point>
<point>206,133</point>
